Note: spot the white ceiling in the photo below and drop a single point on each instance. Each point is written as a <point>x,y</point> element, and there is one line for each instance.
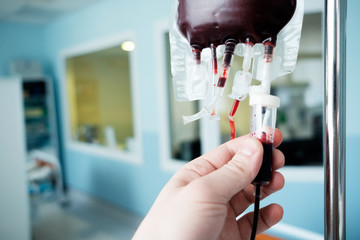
<point>38,11</point>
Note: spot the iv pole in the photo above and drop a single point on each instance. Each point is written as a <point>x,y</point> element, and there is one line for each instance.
<point>335,126</point>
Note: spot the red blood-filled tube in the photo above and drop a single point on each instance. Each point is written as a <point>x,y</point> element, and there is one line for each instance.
<point>214,58</point>
<point>227,61</point>
<point>231,119</point>
<point>263,119</point>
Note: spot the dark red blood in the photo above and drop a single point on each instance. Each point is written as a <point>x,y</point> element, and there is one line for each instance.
<point>221,82</point>
<point>197,55</point>
<point>263,137</point>
<point>223,78</point>
<point>206,22</point>
<point>214,59</point>
<point>234,108</point>
<point>232,129</point>
<point>231,120</point>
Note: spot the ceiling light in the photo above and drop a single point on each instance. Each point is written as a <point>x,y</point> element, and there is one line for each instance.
<point>128,46</point>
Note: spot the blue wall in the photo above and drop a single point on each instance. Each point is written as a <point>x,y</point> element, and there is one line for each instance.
<point>352,121</point>
<point>353,83</point>
<point>135,187</point>
<point>18,42</point>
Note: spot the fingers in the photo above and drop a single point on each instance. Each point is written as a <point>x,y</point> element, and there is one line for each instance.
<point>217,158</point>
<point>222,184</point>
<point>208,162</point>
<point>278,159</point>
<point>278,137</point>
<point>242,200</point>
<point>268,217</point>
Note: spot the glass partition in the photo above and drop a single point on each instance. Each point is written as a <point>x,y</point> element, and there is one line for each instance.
<point>100,101</point>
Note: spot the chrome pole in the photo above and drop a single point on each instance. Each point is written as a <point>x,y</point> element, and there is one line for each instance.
<point>335,104</point>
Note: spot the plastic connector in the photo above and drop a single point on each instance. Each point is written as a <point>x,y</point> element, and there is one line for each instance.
<point>242,80</point>
<point>241,85</point>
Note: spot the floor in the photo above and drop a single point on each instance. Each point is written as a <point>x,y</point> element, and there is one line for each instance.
<point>87,218</point>
<point>83,218</point>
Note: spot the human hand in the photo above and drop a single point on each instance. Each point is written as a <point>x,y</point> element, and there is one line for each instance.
<point>203,199</point>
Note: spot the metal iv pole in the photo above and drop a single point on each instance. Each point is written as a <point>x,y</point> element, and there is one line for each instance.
<point>335,129</point>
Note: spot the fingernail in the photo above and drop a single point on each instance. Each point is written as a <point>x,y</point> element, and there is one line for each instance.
<point>249,147</point>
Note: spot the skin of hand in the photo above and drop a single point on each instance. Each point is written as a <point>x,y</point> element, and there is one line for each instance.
<point>202,200</point>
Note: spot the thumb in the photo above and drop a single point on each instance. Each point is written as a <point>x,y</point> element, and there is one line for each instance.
<point>234,176</point>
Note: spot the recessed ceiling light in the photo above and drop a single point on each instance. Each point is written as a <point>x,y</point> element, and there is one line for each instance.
<point>128,46</point>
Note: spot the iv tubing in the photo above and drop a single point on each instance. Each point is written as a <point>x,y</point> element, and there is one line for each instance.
<point>256,211</point>
<point>214,68</point>
<point>231,119</point>
<point>268,58</point>
<point>214,59</point>
<point>227,61</point>
<point>246,66</point>
<point>219,89</point>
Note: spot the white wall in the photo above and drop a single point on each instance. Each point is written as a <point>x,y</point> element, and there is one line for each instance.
<point>14,209</point>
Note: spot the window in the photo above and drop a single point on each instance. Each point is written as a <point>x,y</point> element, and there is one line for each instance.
<point>100,99</point>
<point>300,115</point>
